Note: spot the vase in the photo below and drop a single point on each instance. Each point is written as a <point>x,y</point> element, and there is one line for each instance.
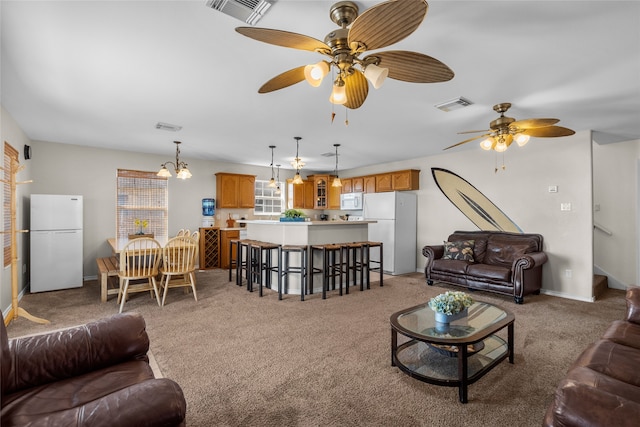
<point>448,318</point>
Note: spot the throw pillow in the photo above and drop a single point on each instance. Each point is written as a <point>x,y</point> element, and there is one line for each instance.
<point>461,250</point>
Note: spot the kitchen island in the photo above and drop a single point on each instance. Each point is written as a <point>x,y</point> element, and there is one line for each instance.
<point>307,233</point>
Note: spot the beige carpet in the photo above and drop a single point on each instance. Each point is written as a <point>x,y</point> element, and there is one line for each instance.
<point>248,361</point>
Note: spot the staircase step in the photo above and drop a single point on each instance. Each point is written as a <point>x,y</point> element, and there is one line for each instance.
<point>600,285</point>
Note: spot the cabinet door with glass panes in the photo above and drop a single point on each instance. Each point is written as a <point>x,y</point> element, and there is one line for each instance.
<point>268,200</point>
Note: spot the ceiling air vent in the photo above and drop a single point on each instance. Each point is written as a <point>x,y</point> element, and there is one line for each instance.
<point>249,11</point>
<point>454,104</point>
<point>167,126</point>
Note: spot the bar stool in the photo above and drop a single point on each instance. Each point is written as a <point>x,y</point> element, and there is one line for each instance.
<point>354,263</point>
<point>261,262</point>
<point>368,261</point>
<point>232,260</point>
<point>243,259</point>
<point>284,268</point>
<point>330,268</point>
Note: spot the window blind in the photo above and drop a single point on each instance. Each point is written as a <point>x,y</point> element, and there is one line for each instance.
<point>142,204</point>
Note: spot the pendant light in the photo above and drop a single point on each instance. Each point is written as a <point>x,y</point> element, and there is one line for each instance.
<point>297,163</point>
<point>278,190</point>
<point>272,181</point>
<point>336,181</point>
<point>180,167</point>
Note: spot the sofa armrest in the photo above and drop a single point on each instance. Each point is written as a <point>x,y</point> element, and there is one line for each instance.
<point>633,304</point>
<point>48,357</point>
<point>431,253</point>
<point>529,260</point>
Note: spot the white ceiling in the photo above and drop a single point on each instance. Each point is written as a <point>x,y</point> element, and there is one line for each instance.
<point>103,73</point>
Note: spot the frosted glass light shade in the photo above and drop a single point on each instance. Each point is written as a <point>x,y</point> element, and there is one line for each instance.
<point>487,144</point>
<point>521,139</point>
<point>338,95</point>
<point>336,182</point>
<point>297,179</point>
<point>184,173</point>
<point>314,73</point>
<point>164,172</point>
<point>376,75</point>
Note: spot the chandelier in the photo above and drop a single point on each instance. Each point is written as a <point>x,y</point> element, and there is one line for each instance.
<point>297,163</point>
<point>336,181</point>
<point>181,169</point>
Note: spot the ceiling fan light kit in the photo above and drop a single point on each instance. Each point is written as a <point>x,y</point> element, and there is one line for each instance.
<point>377,27</point>
<point>504,130</point>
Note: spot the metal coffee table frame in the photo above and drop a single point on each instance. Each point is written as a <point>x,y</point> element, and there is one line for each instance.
<point>483,322</point>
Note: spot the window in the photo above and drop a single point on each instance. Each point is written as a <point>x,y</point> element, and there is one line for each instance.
<point>267,202</point>
<point>10,162</point>
<point>142,199</point>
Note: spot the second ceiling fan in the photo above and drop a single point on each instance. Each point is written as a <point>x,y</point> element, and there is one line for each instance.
<point>377,27</point>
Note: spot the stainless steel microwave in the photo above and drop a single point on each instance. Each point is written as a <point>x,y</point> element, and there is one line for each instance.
<point>351,201</point>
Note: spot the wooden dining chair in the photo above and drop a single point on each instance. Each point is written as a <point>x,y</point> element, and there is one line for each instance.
<point>178,265</point>
<point>139,260</point>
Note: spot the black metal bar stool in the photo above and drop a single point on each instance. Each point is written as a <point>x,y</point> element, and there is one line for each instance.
<point>330,267</point>
<point>233,245</point>
<point>354,263</point>
<point>285,268</point>
<point>377,265</point>
<point>243,260</point>
<point>261,262</point>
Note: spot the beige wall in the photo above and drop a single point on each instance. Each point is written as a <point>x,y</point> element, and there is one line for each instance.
<point>615,190</point>
<point>521,191</point>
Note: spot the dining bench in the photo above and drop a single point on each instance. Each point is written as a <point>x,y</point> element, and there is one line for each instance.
<point>107,267</point>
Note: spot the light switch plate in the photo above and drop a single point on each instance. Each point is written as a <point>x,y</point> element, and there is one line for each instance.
<point>553,189</point>
<point>565,206</point>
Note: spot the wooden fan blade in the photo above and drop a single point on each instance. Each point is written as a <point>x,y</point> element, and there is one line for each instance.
<point>467,140</point>
<point>283,80</point>
<point>533,123</point>
<point>356,89</point>
<point>387,23</point>
<point>413,67</point>
<point>285,39</point>
<point>473,131</point>
<point>548,132</point>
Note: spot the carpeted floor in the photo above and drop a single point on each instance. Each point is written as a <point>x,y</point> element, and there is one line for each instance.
<point>248,361</point>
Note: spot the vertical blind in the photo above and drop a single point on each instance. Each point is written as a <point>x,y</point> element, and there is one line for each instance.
<point>142,199</point>
<point>10,155</point>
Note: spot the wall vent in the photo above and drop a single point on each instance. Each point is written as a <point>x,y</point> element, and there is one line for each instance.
<point>454,104</point>
<point>249,11</point>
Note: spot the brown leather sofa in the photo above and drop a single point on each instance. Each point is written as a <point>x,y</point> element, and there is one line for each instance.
<point>602,387</point>
<point>93,375</point>
<point>495,261</point>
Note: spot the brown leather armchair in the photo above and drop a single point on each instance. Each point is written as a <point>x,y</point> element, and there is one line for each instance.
<point>96,374</point>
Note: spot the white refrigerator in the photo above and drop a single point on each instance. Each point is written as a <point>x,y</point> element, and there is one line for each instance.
<point>56,242</point>
<point>396,227</point>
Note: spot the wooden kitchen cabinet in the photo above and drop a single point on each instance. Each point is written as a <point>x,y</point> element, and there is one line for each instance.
<point>302,194</point>
<point>347,185</point>
<point>369,184</point>
<point>209,256</point>
<point>405,180</point>
<point>225,237</point>
<point>235,190</point>
<point>325,196</point>
<point>384,182</point>
<point>357,185</point>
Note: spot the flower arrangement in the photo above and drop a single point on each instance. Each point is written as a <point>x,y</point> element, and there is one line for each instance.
<point>451,302</point>
<point>141,224</point>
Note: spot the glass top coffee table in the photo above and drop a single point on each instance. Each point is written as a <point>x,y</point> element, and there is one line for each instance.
<point>455,354</point>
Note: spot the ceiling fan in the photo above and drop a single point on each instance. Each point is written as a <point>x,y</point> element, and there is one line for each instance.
<point>504,130</point>
<point>377,27</point>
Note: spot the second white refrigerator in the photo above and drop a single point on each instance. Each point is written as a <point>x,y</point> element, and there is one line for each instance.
<point>396,227</point>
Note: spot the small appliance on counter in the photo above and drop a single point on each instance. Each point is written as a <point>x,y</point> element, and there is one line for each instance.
<point>324,217</point>
<point>208,212</point>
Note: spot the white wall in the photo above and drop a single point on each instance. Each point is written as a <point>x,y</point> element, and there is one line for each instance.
<point>11,133</point>
<point>521,192</point>
<point>615,190</point>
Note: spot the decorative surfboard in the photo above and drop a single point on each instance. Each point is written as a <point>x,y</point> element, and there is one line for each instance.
<point>472,203</point>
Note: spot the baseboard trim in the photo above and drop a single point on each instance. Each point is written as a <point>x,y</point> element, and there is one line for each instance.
<point>567,296</point>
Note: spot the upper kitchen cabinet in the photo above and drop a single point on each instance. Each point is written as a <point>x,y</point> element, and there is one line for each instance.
<point>301,194</point>
<point>235,190</point>
<point>325,196</point>
<point>353,185</point>
<point>398,181</point>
